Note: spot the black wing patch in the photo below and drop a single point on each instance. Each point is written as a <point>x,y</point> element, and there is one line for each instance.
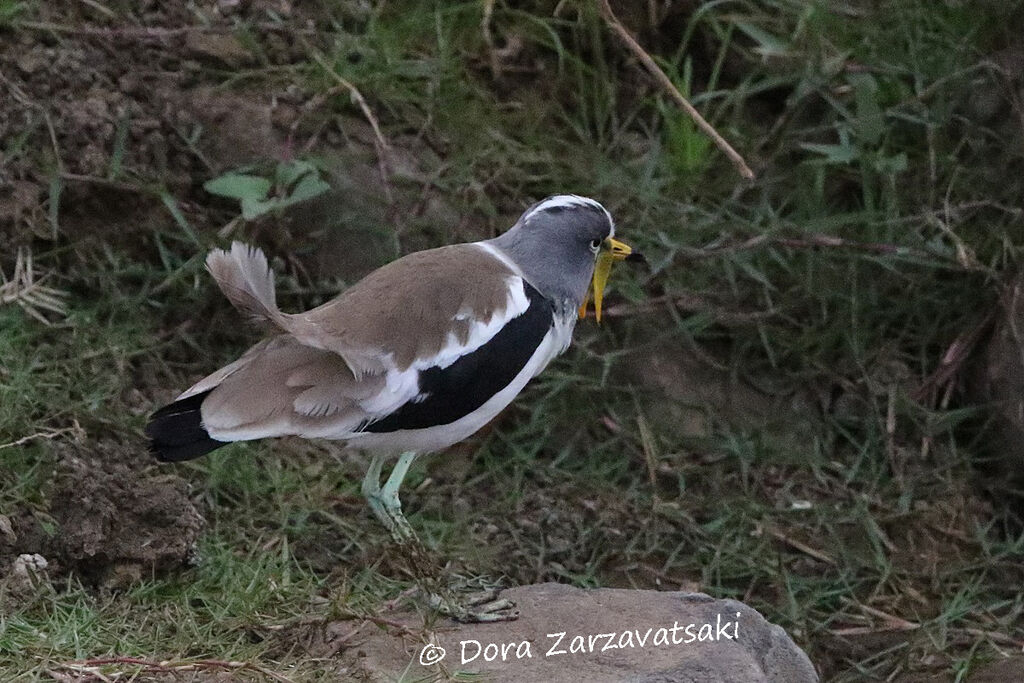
<point>457,390</point>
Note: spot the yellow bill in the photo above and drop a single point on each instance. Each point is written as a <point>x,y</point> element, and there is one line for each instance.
<point>612,250</point>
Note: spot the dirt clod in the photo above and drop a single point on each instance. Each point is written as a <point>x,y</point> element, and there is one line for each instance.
<point>118,523</point>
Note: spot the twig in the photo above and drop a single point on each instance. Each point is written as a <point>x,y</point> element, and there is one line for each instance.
<point>801,546</point>
<point>379,621</point>
<point>957,353</point>
<point>829,241</point>
<point>99,8</point>
<point>890,436</point>
<point>819,241</point>
<point>53,434</point>
<point>92,666</point>
<point>152,32</point>
<point>29,292</point>
<point>688,302</point>
<point>894,621</point>
<point>861,631</point>
<point>105,182</point>
<point>380,143</point>
<point>994,636</point>
<point>309,107</point>
<point>18,94</point>
<point>671,89</point>
<point>485,29</point>
<point>650,455</point>
<point>393,603</point>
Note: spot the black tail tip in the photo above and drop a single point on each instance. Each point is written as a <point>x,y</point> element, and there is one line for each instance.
<point>176,431</point>
<point>165,452</point>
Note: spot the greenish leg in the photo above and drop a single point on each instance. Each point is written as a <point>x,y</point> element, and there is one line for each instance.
<point>372,493</point>
<point>389,497</point>
<point>387,507</point>
<point>384,501</point>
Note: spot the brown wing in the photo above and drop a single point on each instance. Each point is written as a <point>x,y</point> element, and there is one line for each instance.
<point>411,307</point>
<point>406,310</point>
<point>282,386</point>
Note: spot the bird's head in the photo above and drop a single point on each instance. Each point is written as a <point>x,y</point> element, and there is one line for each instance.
<point>566,245</point>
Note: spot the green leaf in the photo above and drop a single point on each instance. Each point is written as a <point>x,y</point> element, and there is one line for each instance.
<point>10,10</point>
<point>179,217</point>
<point>238,186</point>
<point>254,207</point>
<point>768,43</point>
<point>870,124</point>
<point>307,188</point>
<point>288,172</point>
<point>894,164</point>
<point>834,154</point>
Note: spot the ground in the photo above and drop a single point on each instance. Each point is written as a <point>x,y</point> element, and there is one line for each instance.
<point>789,408</point>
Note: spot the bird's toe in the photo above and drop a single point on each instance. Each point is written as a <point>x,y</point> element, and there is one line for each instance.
<point>480,608</point>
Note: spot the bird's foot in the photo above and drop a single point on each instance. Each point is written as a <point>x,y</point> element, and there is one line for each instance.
<point>423,563</point>
<point>478,608</point>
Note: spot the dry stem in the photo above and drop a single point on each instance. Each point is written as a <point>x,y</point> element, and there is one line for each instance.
<point>92,666</point>
<point>671,89</point>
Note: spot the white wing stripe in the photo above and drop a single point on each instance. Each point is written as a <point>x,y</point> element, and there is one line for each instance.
<point>479,332</point>
<point>403,385</point>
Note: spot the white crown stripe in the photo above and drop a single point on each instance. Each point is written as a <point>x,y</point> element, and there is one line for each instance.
<point>570,200</point>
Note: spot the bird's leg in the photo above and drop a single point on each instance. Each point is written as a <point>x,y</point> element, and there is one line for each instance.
<point>387,507</point>
<point>425,566</point>
<point>372,493</point>
<point>388,497</point>
<point>483,607</point>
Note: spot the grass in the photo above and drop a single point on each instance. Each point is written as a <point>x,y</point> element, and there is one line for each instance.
<point>795,462</point>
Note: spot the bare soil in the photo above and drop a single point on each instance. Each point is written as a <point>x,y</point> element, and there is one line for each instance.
<point>109,518</point>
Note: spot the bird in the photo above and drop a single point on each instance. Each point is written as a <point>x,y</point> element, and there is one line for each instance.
<point>415,357</point>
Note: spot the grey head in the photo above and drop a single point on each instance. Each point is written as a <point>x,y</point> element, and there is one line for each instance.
<point>555,243</point>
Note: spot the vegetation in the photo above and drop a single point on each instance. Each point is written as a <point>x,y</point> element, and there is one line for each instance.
<point>760,417</point>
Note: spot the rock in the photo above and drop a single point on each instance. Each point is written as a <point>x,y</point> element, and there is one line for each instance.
<point>31,62</point>
<point>29,568</point>
<point>21,203</point>
<point>568,634</point>
<point>226,7</point>
<point>26,576</point>
<point>7,529</point>
<point>690,399</point>
<point>1007,669</point>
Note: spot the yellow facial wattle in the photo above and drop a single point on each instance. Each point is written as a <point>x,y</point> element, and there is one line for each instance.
<point>611,250</point>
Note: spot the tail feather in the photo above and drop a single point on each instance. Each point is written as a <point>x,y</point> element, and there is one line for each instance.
<point>176,431</point>
<point>246,279</point>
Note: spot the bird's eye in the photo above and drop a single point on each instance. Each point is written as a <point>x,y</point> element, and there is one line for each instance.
<point>595,245</point>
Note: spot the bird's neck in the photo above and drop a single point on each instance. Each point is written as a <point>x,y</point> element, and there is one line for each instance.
<point>560,278</point>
